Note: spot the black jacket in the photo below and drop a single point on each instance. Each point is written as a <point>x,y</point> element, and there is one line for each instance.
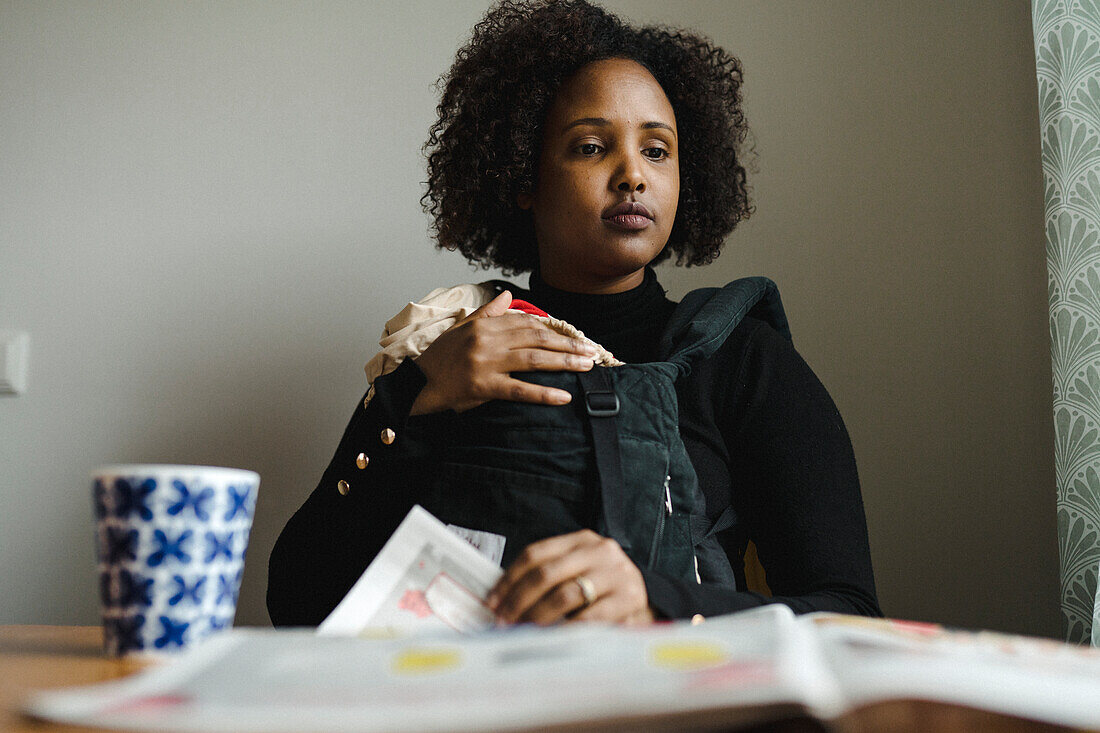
<point>760,428</point>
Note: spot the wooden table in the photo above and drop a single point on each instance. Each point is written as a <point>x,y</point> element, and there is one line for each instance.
<point>43,657</point>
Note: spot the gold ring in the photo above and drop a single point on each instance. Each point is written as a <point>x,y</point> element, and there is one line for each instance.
<point>588,590</point>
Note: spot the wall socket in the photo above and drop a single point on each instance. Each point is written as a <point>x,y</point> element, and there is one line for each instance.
<point>14,348</point>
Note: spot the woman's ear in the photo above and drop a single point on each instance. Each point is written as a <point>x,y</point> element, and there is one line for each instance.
<point>524,200</point>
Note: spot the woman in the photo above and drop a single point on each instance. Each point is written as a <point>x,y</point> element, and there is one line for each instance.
<point>578,148</point>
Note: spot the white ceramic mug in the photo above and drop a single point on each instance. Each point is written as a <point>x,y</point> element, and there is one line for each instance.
<point>170,544</point>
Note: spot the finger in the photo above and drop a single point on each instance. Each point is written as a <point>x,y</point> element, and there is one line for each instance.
<point>546,592</point>
<point>496,307</point>
<point>516,390</point>
<point>556,605</point>
<point>539,335</point>
<point>619,599</point>
<point>610,608</point>
<point>539,584</point>
<point>536,554</point>
<point>536,360</point>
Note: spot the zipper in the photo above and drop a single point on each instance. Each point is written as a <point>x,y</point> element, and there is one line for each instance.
<point>662,517</point>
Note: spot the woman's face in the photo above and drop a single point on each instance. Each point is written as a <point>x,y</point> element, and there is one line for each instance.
<point>609,141</point>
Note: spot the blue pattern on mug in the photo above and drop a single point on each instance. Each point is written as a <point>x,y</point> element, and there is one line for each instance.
<point>228,587</point>
<point>192,592</point>
<point>133,589</point>
<point>173,632</point>
<point>125,633</point>
<point>216,546</point>
<point>240,502</point>
<point>99,497</point>
<point>132,498</point>
<point>219,623</point>
<point>169,548</point>
<point>197,501</point>
<point>121,544</point>
<point>105,594</point>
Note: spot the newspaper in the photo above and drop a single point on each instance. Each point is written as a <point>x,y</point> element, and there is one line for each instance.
<point>426,578</point>
<point>389,658</point>
<point>737,669</point>
<point>762,664</point>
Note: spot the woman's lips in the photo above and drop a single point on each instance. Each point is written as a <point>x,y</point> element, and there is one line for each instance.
<point>628,216</point>
<point>628,222</point>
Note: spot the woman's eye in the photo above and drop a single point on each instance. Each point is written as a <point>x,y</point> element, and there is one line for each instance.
<point>589,149</point>
<point>655,153</point>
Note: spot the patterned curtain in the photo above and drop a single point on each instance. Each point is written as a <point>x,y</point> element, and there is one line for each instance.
<point>1067,60</point>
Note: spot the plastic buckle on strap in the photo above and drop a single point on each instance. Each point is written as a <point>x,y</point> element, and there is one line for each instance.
<point>602,404</point>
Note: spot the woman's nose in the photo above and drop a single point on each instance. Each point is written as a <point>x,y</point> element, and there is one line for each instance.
<point>629,176</point>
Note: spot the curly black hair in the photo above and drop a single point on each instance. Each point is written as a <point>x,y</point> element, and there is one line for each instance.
<point>484,148</point>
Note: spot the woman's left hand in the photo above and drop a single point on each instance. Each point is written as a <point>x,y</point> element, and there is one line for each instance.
<point>542,585</point>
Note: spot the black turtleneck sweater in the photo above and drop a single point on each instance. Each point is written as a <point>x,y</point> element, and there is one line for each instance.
<point>761,431</point>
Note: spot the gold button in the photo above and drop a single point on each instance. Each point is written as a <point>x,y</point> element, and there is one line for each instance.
<point>343,487</point>
<point>361,460</point>
<point>697,619</point>
<point>388,436</point>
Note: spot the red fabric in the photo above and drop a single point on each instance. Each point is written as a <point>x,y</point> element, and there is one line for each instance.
<point>525,307</point>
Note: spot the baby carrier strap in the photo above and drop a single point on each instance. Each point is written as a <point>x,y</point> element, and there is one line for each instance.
<point>705,318</point>
<point>602,405</point>
<point>697,328</point>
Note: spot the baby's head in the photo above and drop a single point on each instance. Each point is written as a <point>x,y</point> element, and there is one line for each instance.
<point>668,132</point>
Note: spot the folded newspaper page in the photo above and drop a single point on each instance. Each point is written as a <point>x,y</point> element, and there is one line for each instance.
<point>426,578</point>
<point>873,660</point>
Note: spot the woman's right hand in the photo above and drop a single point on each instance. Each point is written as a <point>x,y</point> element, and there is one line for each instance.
<point>471,363</point>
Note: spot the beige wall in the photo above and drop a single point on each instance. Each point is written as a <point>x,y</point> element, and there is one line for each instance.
<point>208,210</point>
